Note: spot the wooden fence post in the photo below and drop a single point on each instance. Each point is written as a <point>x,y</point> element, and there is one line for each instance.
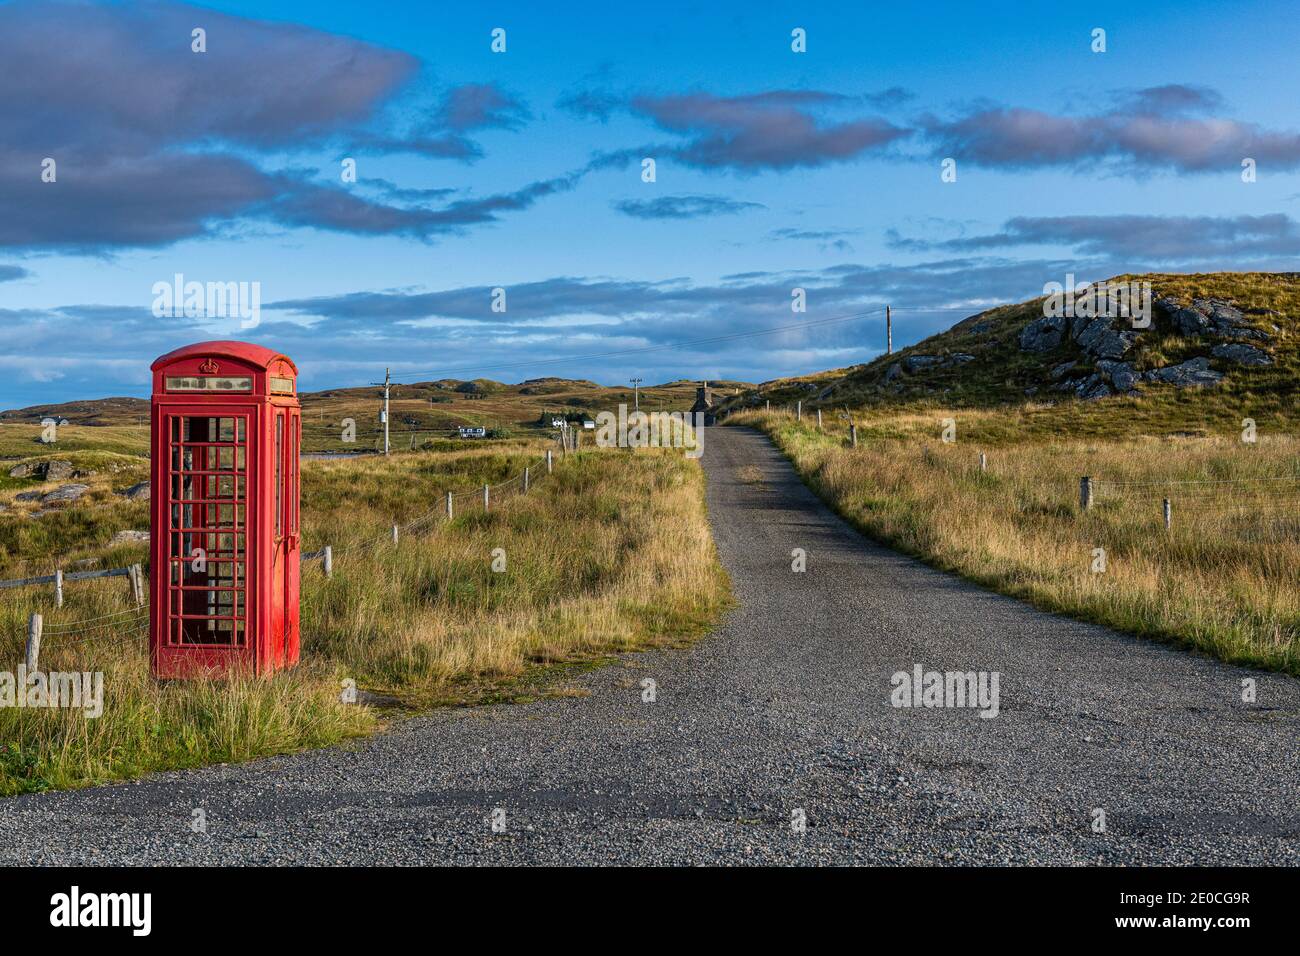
<point>819,419</point>
<point>984,462</point>
<point>58,587</point>
<point>525,479</point>
<point>1169,515</point>
<point>549,465</point>
<point>450,507</point>
<point>798,411</point>
<point>1085,493</point>
<point>486,492</point>
<point>329,561</point>
<point>34,624</point>
<point>394,534</point>
<point>769,405</point>
<point>137,584</point>
<point>853,435</point>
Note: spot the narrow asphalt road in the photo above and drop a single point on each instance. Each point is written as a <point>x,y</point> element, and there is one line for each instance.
<point>783,713</point>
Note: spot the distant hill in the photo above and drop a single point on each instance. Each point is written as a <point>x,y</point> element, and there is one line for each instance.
<point>99,411</point>
<point>418,410</point>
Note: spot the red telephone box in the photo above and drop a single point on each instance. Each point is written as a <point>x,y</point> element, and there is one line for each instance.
<point>224,555</point>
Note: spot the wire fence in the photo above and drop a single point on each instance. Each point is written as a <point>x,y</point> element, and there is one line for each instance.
<point>1260,496</point>
<point>127,624</point>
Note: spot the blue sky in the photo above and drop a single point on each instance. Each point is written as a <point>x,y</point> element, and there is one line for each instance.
<point>522,170</point>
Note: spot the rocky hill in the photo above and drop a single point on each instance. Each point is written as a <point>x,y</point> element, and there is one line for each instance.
<point>1221,337</point>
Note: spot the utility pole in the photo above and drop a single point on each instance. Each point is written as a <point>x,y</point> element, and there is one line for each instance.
<point>889,332</point>
<point>636,395</point>
<point>388,383</point>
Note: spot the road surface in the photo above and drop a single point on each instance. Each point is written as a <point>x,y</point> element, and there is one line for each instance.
<point>781,715</point>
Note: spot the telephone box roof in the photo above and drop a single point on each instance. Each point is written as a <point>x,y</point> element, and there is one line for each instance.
<point>258,355</point>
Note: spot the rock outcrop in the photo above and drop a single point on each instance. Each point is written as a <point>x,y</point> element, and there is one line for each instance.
<point>1042,335</point>
<point>65,494</point>
<point>1105,342</point>
<point>52,470</point>
<point>1241,354</point>
<point>1193,372</point>
<point>128,537</point>
<point>1122,375</point>
<point>136,492</point>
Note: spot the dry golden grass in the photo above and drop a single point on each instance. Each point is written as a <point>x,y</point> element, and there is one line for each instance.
<point>1223,580</point>
<point>610,553</point>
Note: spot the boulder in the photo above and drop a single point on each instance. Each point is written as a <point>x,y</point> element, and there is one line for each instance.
<point>918,363</point>
<point>23,470</point>
<point>1227,321</point>
<point>1189,322</point>
<point>1077,324</point>
<point>1242,354</point>
<point>1219,311</point>
<point>1059,370</point>
<point>56,470</point>
<point>129,537</point>
<point>137,491</point>
<point>894,372</point>
<point>1092,387</point>
<point>34,495</point>
<point>1123,376</point>
<point>1042,335</point>
<point>1087,333</point>
<point>65,494</point>
<point>1113,345</point>
<point>1192,373</point>
<point>960,358</point>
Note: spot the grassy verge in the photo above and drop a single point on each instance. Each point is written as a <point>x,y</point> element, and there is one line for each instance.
<point>608,554</point>
<point>21,440</point>
<point>1221,581</point>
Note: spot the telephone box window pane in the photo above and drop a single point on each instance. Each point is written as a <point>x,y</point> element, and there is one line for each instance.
<point>208,516</point>
<point>209,383</point>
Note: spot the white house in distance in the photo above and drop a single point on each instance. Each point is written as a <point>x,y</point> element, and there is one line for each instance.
<point>472,431</point>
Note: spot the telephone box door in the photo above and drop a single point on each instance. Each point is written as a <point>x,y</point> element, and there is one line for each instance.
<point>282,648</point>
<point>207,511</point>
